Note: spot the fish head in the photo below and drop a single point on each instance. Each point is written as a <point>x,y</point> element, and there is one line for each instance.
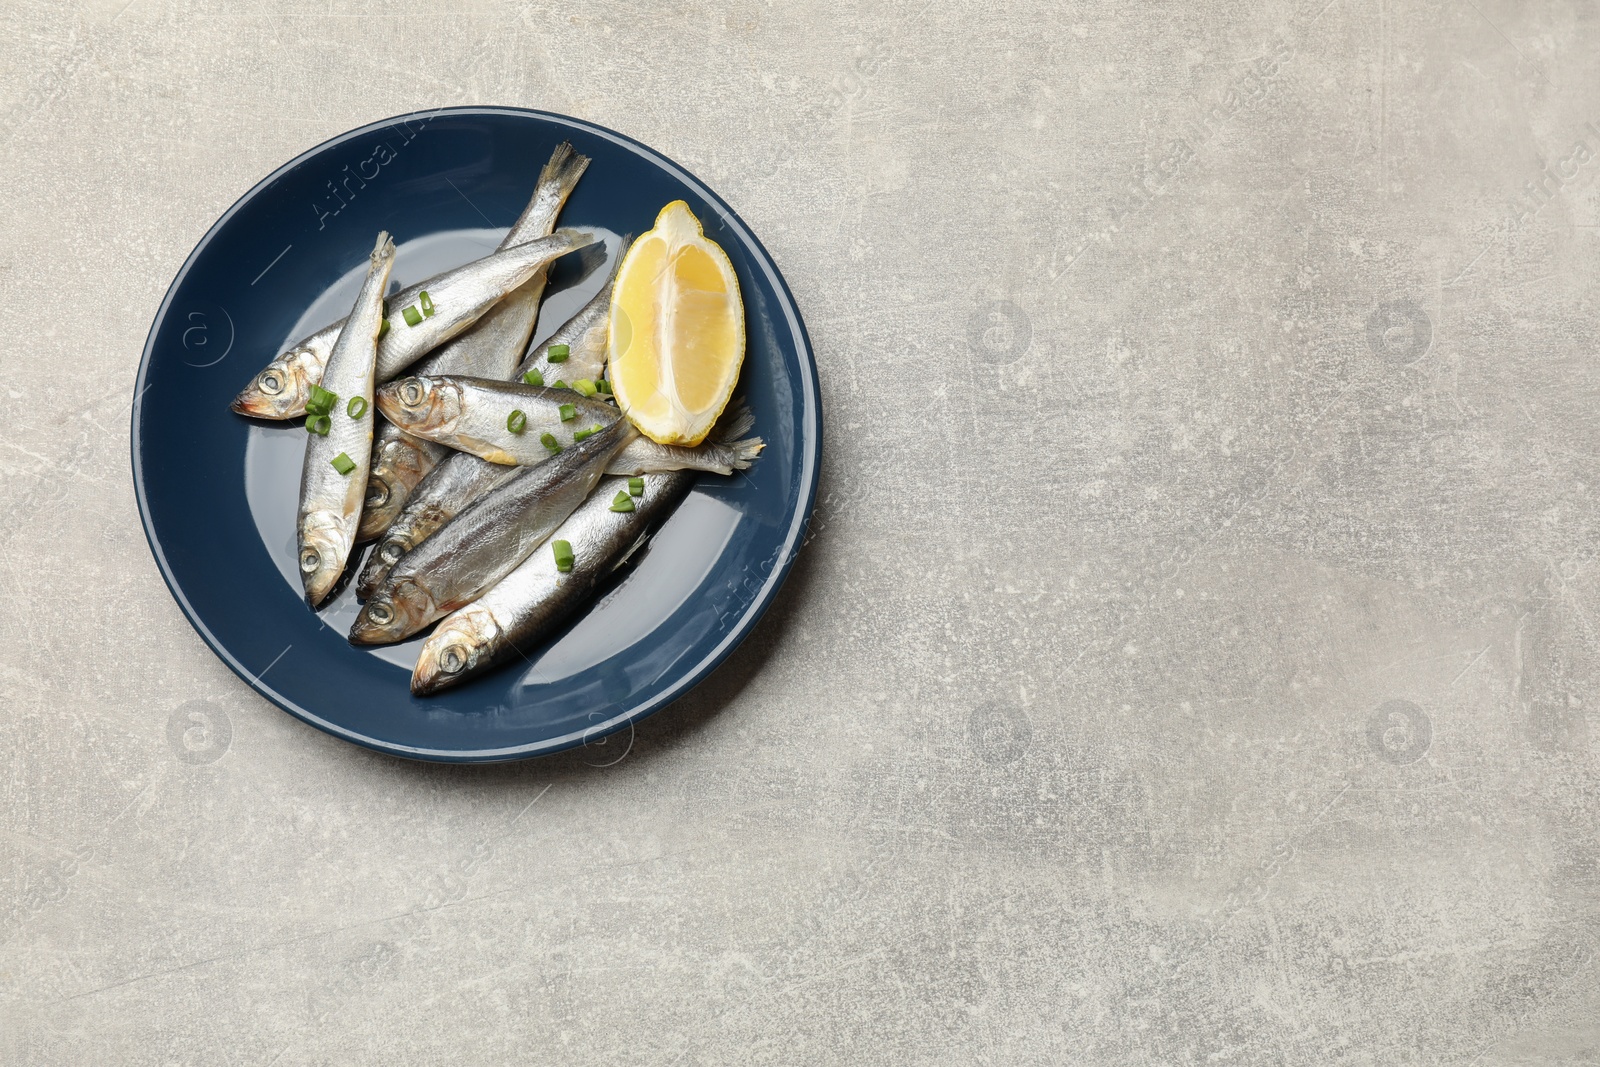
<point>463,642</point>
<point>394,613</point>
<point>392,548</point>
<point>419,405</point>
<point>324,548</point>
<point>397,466</point>
<point>381,504</point>
<point>380,562</point>
<point>281,390</point>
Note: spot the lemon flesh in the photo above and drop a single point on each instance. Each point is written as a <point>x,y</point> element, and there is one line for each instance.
<point>676,330</point>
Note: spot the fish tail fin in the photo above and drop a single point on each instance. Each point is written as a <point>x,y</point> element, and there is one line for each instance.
<point>575,237</point>
<point>726,452</point>
<point>591,258</point>
<point>735,423</point>
<point>745,452</point>
<point>624,243</point>
<point>383,247</point>
<point>589,261</point>
<point>736,420</point>
<point>561,174</point>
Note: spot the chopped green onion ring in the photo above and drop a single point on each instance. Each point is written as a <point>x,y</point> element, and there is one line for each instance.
<point>559,353</point>
<point>636,486</point>
<point>563,553</point>
<point>318,424</point>
<point>549,441</point>
<point>357,406</point>
<point>427,304</point>
<point>413,316</point>
<point>533,377</point>
<point>517,421</point>
<point>343,464</point>
<point>568,412</point>
<point>585,386</point>
<point>321,401</point>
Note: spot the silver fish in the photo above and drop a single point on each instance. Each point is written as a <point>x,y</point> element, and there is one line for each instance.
<point>585,337</point>
<point>525,606</point>
<point>330,498</point>
<point>460,297</point>
<point>473,415</point>
<point>458,480</point>
<point>399,462</point>
<point>644,456</point>
<point>490,348</point>
<point>486,541</point>
<point>463,477</point>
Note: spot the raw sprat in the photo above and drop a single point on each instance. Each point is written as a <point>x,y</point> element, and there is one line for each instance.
<point>530,603</point>
<point>280,391</point>
<point>481,455</point>
<point>334,477</point>
<point>491,347</point>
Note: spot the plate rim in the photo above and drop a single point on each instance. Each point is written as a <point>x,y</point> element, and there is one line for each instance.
<point>810,433</point>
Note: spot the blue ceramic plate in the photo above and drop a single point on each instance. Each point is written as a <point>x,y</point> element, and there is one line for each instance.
<point>217,491</point>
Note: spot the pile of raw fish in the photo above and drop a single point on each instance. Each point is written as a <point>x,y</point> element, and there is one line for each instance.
<point>500,484</point>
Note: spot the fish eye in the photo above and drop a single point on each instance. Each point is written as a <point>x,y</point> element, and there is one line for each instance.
<point>270,383</point>
<point>380,613</point>
<point>309,560</point>
<point>412,393</point>
<point>377,493</point>
<point>392,550</point>
<point>453,659</point>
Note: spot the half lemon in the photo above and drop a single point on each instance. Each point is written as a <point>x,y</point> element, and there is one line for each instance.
<point>676,330</point>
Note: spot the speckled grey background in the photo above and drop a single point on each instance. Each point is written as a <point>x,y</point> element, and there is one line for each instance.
<point>1197,661</point>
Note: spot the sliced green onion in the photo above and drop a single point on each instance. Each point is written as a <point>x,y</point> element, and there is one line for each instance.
<point>585,386</point>
<point>357,406</point>
<point>622,502</point>
<point>549,441</point>
<point>568,412</point>
<point>413,316</point>
<point>343,463</point>
<point>603,386</point>
<point>321,401</point>
<point>559,384</point>
<point>318,424</point>
<point>517,422</point>
<point>636,486</point>
<point>427,304</point>
<point>559,353</point>
<point>584,435</point>
<point>563,554</point>
<point>383,329</point>
<point>533,377</point>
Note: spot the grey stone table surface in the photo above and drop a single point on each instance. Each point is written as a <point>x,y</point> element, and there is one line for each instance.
<point>1196,661</point>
